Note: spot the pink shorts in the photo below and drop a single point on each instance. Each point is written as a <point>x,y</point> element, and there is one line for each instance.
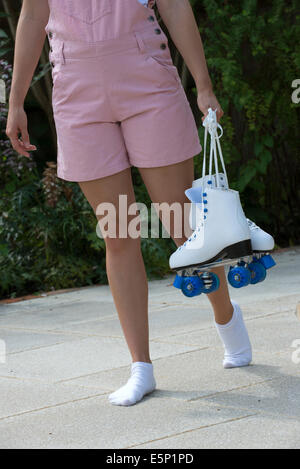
<point>119,103</point>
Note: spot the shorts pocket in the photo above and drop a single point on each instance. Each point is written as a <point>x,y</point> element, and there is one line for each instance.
<point>157,51</point>
<point>167,66</point>
<point>88,11</point>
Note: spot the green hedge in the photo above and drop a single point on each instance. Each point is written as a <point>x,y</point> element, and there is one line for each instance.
<point>251,49</point>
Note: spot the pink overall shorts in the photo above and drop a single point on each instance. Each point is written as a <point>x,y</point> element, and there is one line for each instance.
<point>118,100</point>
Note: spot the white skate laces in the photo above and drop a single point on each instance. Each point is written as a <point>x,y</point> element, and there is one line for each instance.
<point>211,126</point>
<point>222,232</point>
<point>210,122</point>
<point>252,225</point>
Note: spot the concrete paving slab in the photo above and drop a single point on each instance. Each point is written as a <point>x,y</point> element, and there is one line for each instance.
<point>59,317</point>
<point>255,432</point>
<point>92,423</point>
<point>19,396</point>
<point>66,352</point>
<point>196,374</point>
<point>76,358</point>
<point>19,341</point>
<point>279,397</point>
<point>162,322</point>
<point>283,328</point>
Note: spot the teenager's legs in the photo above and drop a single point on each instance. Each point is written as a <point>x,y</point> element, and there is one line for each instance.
<point>124,264</point>
<point>128,283</point>
<point>167,184</point>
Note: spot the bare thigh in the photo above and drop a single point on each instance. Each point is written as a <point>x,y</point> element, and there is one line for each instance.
<point>167,184</point>
<point>107,190</point>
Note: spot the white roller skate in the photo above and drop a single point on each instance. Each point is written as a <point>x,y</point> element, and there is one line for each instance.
<point>221,237</point>
<point>261,241</point>
<point>222,233</point>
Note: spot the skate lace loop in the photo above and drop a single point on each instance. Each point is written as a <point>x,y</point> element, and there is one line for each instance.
<point>252,225</point>
<point>194,235</point>
<point>211,126</point>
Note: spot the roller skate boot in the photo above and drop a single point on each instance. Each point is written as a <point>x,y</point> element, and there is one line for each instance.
<point>221,237</point>
<point>261,242</point>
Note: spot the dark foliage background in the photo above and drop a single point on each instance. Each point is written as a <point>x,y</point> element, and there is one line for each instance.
<point>47,229</point>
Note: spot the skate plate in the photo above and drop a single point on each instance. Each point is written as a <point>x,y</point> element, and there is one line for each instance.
<point>251,269</point>
<point>193,281</point>
<point>212,265</point>
<point>227,256</point>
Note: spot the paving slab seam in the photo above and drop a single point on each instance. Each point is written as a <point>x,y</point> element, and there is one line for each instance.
<point>203,427</point>
<point>83,321</point>
<point>160,341</point>
<point>53,383</point>
<point>28,303</point>
<point>183,305</point>
<point>25,378</point>
<point>212,327</point>
<point>238,407</point>
<point>217,347</point>
<point>260,412</point>
<point>124,366</point>
<point>60,404</point>
<point>91,374</point>
<point>87,386</point>
<point>239,388</point>
<point>41,331</point>
<point>59,331</point>
<point>85,335</point>
<point>36,348</point>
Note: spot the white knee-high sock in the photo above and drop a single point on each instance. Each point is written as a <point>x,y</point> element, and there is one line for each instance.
<point>234,335</point>
<point>140,383</point>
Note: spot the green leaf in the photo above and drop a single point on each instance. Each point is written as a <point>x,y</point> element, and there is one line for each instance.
<point>3,34</point>
<point>268,141</point>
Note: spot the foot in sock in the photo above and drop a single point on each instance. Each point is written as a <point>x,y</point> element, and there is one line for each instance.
<point>140,383</point>
<point>234,336</point>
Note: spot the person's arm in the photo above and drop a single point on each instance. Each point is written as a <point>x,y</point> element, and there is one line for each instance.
<point>30,38</point>
<point>179,18</point>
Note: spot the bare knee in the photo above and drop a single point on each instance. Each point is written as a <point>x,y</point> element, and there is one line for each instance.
<point>121,246</point>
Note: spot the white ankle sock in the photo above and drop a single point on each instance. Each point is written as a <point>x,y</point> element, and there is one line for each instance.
<point>234,335</point>
<point>140,383</point>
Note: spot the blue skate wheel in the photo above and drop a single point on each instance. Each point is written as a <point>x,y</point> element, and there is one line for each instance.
<point>191,286</point>
<point>178,281</point>
<point>210,282</point>
<point>267,261</point>
<point>258,272</point>
<point>239,276</point>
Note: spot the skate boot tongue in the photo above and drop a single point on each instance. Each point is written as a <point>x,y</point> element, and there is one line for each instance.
<point>194,194</point>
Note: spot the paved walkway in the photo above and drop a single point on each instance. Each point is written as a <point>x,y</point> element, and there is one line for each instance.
<point>66,353</point>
